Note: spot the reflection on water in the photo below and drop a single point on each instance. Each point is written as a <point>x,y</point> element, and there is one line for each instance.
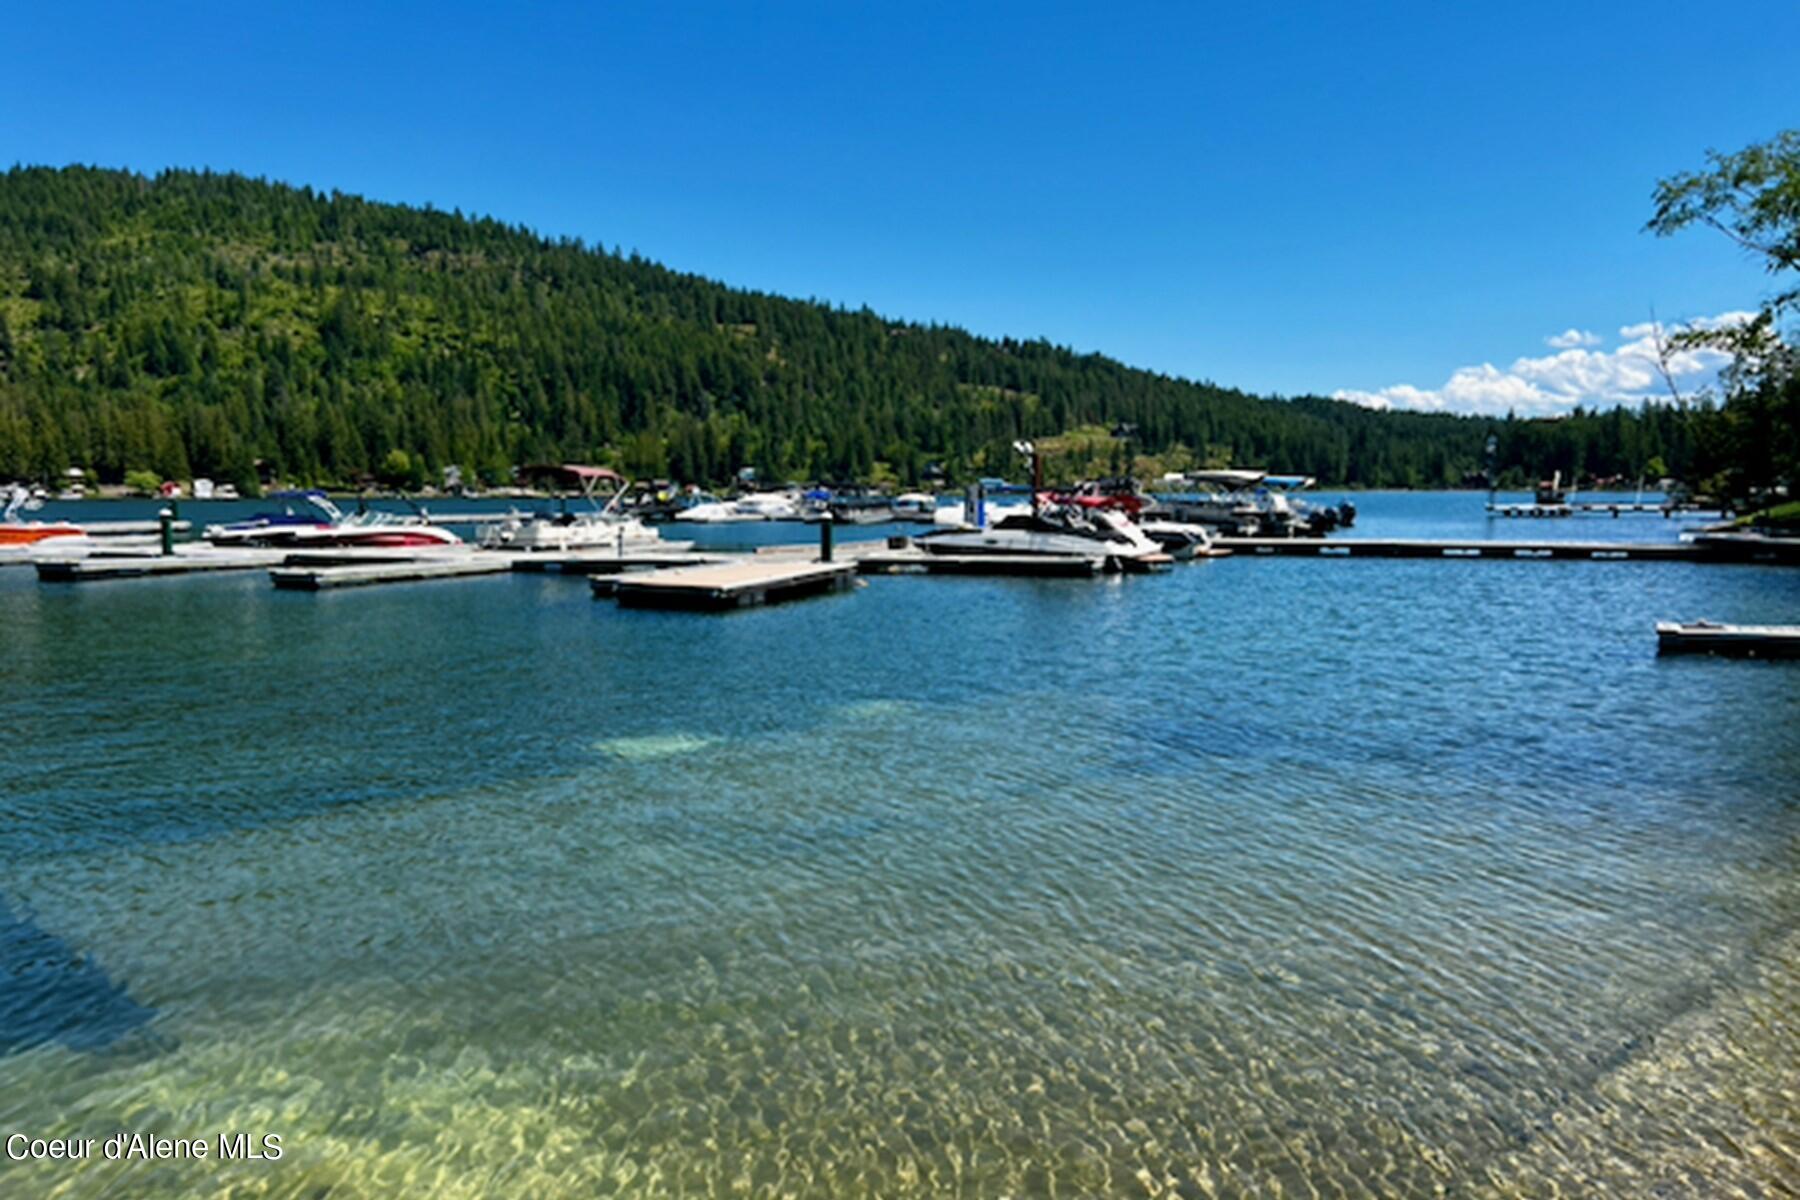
<point>1263,877</point>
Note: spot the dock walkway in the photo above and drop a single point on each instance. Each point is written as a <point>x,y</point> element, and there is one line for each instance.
<point>1703,550</point>
<point>1598,508</point>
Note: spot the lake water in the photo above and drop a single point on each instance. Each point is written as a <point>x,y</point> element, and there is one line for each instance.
<point>1254,877</point>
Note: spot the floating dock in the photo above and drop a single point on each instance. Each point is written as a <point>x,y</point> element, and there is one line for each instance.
<point>323,569</point>
<point>1701,550</point>
<point>608,562</point>
<point>126,564</point>
<point>917,562</point>
<point>762,580</point>
<point>306,573</point>
<point>1741,641</point>
<point>1598,508</point>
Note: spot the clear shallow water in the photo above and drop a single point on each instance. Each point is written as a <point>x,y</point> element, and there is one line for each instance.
<point>1347,878</point>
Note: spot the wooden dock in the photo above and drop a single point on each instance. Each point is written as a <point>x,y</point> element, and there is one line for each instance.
<point>1741,641</point>
<point>139,564</point>
<point>917,562</point>
<point>1701,550</point>
<point>307,573</point>
<point>758,580</point>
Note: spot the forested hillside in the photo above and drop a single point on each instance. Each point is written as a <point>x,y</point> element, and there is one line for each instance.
<point>196,323</point>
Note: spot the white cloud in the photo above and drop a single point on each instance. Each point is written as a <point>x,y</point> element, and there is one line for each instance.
<point>1577,374</point>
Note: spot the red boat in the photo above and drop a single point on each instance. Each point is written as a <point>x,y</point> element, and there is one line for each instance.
<point>14,532</point>
<point>30,533</point>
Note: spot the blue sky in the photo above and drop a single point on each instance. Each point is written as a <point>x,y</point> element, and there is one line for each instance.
<point>1287,198</point>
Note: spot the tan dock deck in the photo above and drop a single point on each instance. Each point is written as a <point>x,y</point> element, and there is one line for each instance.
<point>762,579</point>
<point>316,573</point>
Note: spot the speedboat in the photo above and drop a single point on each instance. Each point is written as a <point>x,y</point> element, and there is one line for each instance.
<point>915,506</point>
<point>1181,539</point>
<point>1242,503</point>
<point>1057,530</point>
<point>716,512</point>
<point>758,506</point>
<point>770,506</point>
<point>328,526</point>
<point>16,532</point>
<point>846,504</point>
<point>605,527</point>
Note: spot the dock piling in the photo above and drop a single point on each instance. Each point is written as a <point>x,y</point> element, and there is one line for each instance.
<point>825,539</point>
<point>166,518</point>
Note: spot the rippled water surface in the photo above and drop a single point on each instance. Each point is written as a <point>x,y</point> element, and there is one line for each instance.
<point>1255,877</point>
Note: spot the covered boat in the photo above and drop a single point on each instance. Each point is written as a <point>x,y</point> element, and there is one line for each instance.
<point>602,527</point>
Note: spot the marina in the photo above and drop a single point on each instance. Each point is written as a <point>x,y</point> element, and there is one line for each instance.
<point>968,827</point>
<point>729,604</point>
<point>320,561</point>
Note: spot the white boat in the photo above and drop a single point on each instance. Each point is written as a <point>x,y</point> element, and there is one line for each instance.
<point>538,532</point>
<point>18,534</point>
<point>771,506</point>
<point>915,506</point>
<point>1056,530</point>
<point>309,520</point>
<point>1240,503</point>
<point>604,527</point>
<point>714,512</point>
<point>1183,540</point>
<point>757,506</point>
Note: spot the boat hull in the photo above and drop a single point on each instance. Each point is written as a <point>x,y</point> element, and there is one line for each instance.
<point>32,533</point>
<point>556,536</point>
<point>331,536</point>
